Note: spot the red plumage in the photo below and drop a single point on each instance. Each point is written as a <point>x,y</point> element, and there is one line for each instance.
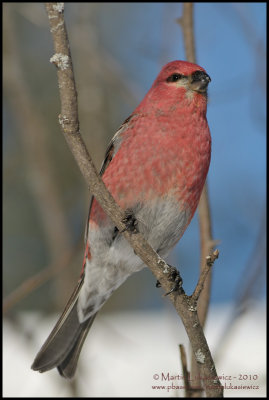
<point>155,166</point>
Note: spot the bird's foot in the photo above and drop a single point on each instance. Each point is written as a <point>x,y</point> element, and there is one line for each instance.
<point>130,221</point>
<point>175,277</point>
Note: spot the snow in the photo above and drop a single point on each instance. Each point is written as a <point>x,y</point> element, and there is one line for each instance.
<point>127,354</point>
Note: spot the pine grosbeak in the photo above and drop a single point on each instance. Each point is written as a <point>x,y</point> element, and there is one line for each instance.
<point>155,166</point>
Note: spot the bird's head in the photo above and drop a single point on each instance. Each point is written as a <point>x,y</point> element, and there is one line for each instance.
<point>179,84</point>
<point>182,74</point>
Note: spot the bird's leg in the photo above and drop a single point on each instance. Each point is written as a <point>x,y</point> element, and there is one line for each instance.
<point>175,277</point>
<point>130,221</point>
<point>130,224</point>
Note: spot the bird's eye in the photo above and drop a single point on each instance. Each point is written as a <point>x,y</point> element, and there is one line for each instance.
<point>174,78</point>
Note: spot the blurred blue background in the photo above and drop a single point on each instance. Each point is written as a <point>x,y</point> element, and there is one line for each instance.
<point>118,50</point>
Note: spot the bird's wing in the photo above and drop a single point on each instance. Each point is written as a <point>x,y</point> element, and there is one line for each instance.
<point>112,149</point>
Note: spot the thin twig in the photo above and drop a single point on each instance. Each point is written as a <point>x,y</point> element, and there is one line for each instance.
<point>37,280</point>
<point>185,370</point>
<point>203,275</point>
<point>186,22</point>
<point>70,128</point>
<point>207,245</point>
<point>206,242</point>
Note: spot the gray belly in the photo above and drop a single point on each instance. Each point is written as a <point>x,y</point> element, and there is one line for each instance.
<point>112,258</point>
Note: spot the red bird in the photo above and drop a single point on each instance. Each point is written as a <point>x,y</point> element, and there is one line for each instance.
<point>155,166</point>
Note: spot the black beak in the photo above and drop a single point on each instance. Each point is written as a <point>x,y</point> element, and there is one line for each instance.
<point>199,81</point>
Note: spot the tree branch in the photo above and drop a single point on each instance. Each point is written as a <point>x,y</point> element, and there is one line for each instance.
<point>185,370</point>
<point>202,279</point>
<point>207,244</point>
<point>186,23</point>
<point>184,305</point>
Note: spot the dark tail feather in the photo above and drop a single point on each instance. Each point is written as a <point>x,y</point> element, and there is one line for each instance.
<point>68,366</point>
<point>63,346</point>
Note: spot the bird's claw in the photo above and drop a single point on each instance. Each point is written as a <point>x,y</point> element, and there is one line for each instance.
<point>175,277</point>
<point>130,222</point>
